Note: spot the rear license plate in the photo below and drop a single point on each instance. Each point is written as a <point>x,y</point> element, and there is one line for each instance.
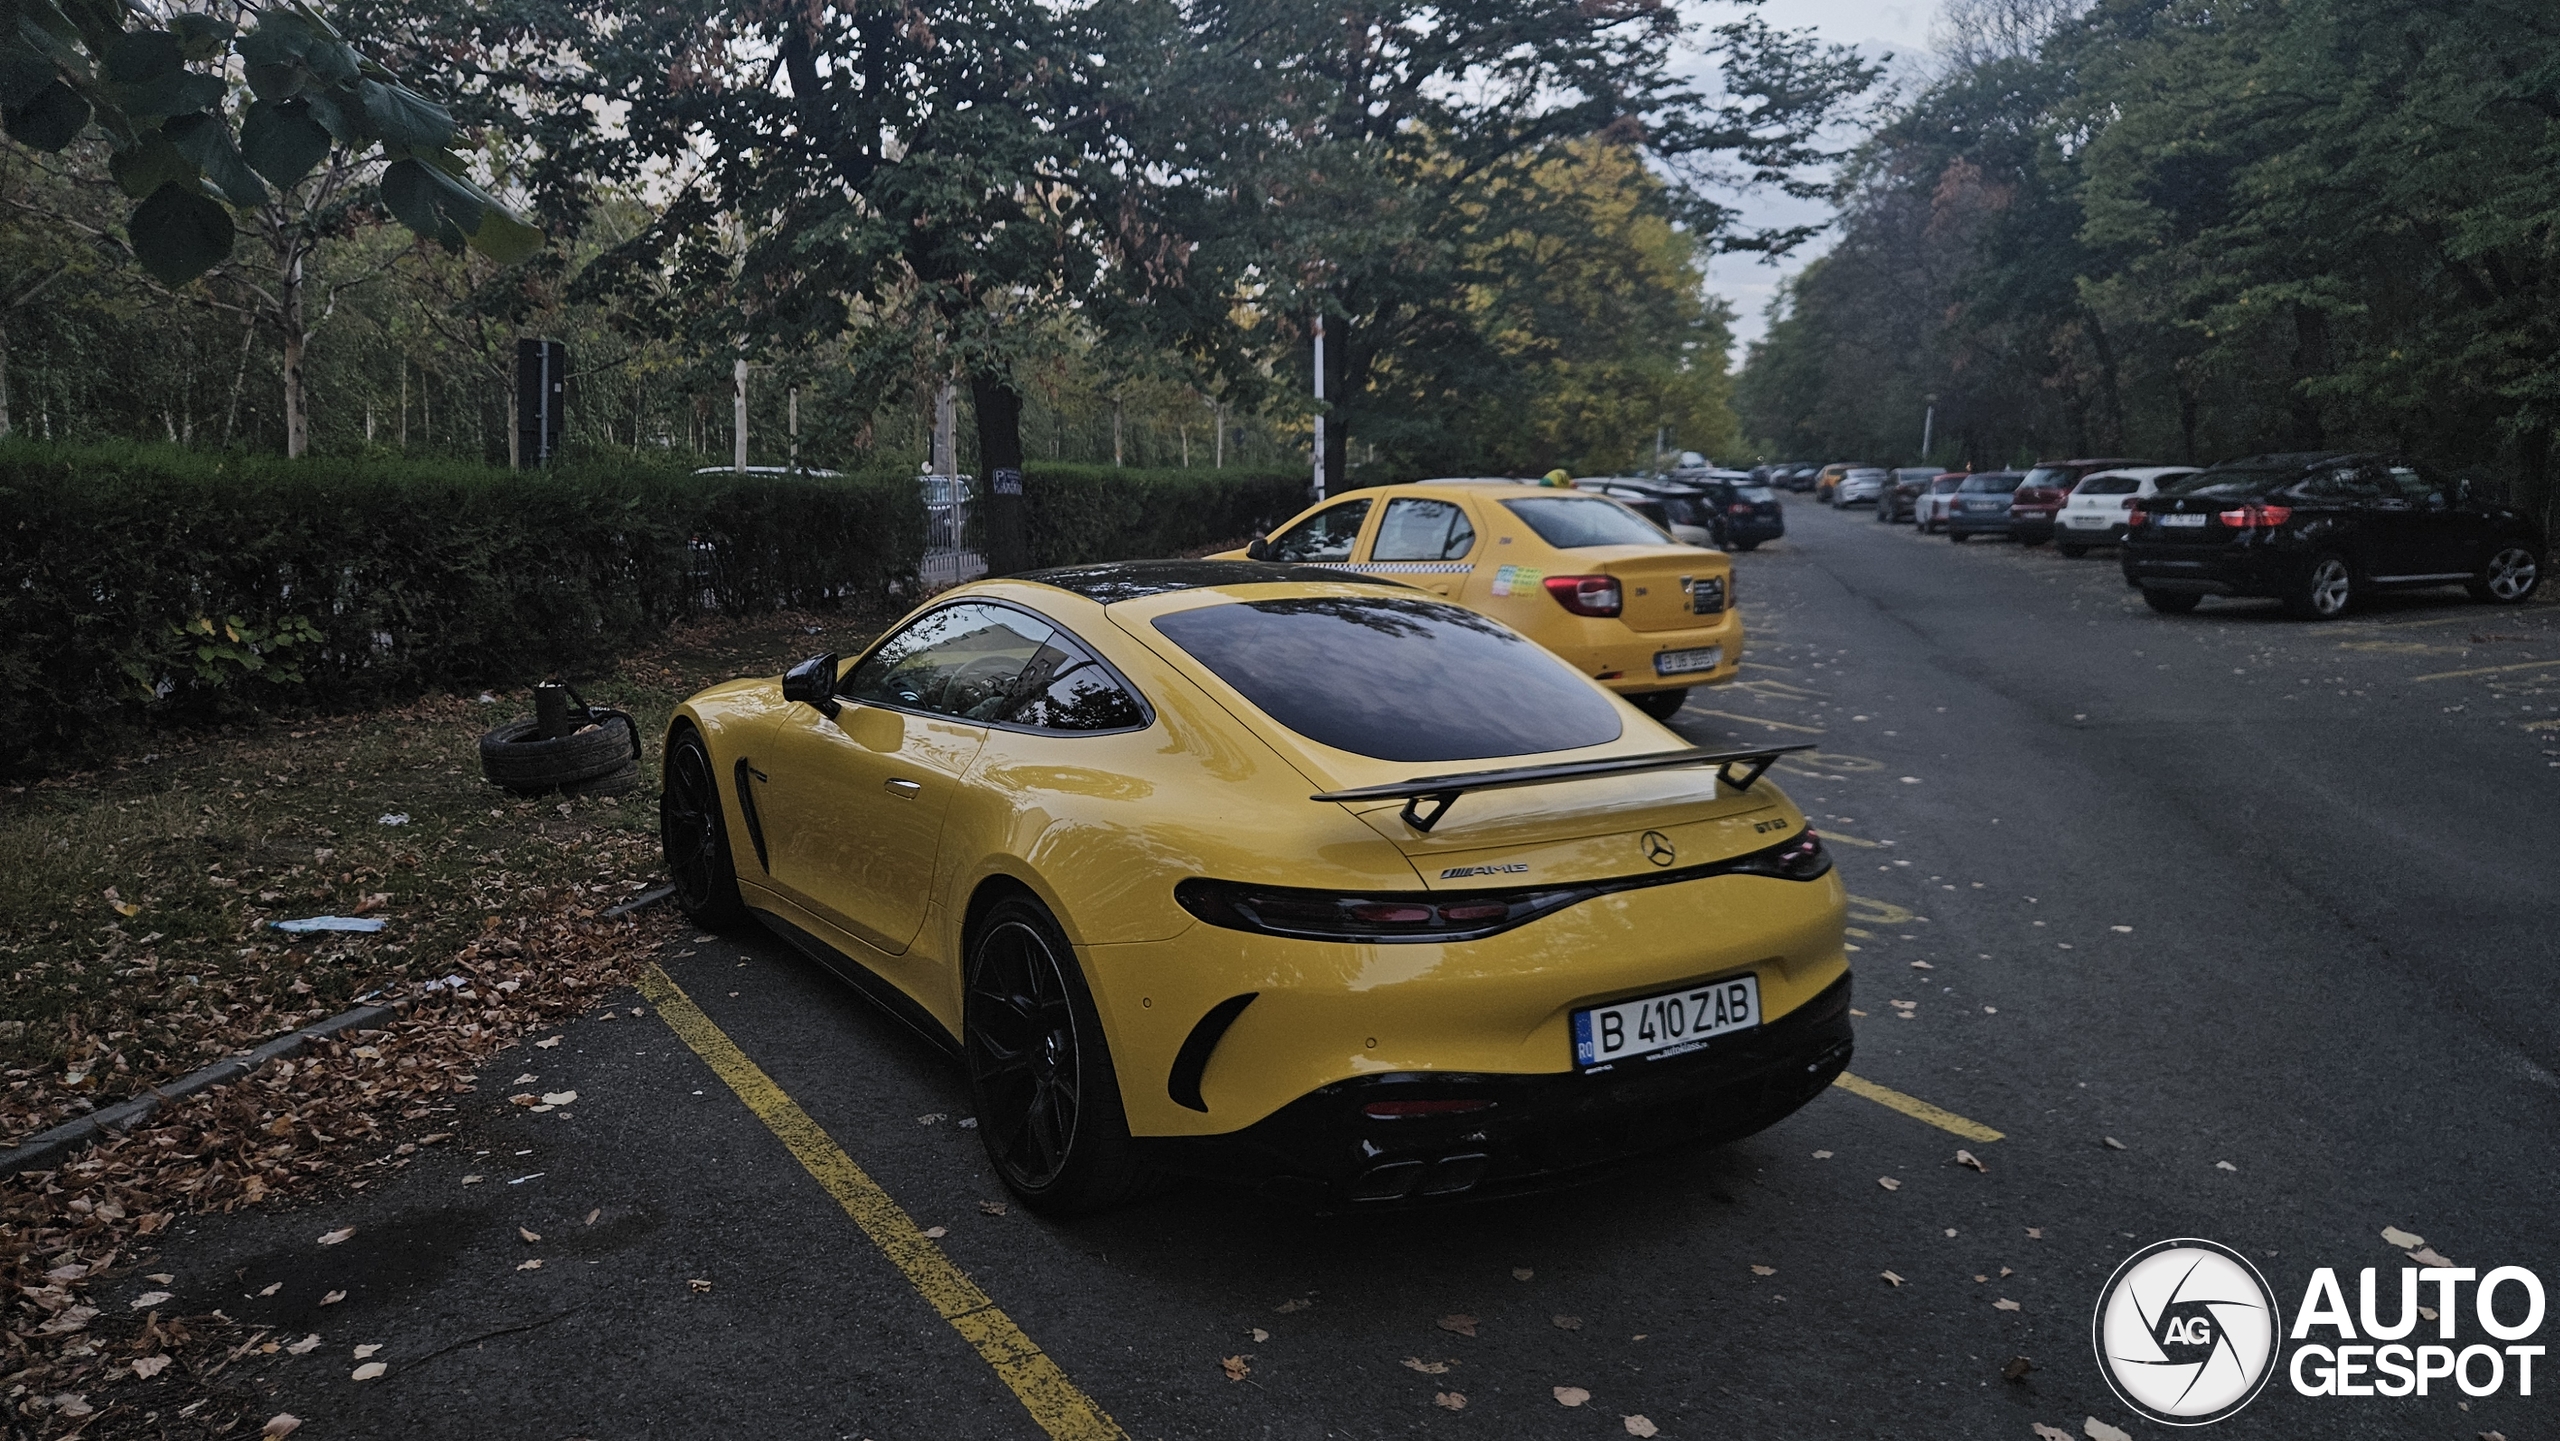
<point>2091,521</point>
<point>2183,520</point>
<point>1660,1027</point>
<point>1686,662</point>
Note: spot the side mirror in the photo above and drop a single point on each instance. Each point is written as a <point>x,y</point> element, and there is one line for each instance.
<point>813,683</point>
<point>1258,549</point>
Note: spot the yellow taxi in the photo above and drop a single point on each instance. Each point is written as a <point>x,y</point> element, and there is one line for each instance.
<point>1276,873</point>
<point>1582,575</point>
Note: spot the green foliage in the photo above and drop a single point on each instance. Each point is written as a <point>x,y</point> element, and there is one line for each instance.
<point>1081,513</point>
<point>216,583</point>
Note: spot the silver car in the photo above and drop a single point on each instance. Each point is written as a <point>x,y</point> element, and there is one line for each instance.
<point>1861,486</point>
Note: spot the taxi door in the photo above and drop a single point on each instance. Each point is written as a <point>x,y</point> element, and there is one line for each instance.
<point>1423,541</point>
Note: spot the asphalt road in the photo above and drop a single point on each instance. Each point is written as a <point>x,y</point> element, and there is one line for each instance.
<point>2266,903</point>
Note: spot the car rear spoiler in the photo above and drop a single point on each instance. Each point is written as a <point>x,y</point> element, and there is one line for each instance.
<point>1443,791</point>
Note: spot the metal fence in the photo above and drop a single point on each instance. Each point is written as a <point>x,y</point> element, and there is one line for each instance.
<point>948,560</point>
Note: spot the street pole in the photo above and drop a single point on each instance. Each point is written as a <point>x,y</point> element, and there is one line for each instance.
<point>1319,407</point>
<point>738,405</point>
<point>1928,430</point>
<point>795,427</point>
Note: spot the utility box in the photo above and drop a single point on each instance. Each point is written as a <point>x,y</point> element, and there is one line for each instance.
<point>542,400</point>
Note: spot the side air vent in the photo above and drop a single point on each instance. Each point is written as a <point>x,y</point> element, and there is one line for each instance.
<point>747,808</point>
<point>1192,1061</point>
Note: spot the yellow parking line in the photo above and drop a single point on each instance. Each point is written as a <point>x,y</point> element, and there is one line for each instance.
<point>1915,1108</point>
<point>1053,1401</point>
<point>1847,840</point>
<point>2484,670</point>
<point>1755,720</point>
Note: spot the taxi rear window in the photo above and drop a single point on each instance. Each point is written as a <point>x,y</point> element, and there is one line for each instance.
<point>1568,523</point>
<point>1395,678</point>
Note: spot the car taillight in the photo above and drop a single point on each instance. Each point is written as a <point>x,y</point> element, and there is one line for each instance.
<point>1737,509</point>
<point>1801,859</point>
<point>1317,915</point>
<point>1403,1110</point>
<point>2134,514</point>
<point>2259,517</point>
<point>1586,594</point>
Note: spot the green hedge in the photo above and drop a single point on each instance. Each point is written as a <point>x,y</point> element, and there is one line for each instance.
<point>1081,513</point>
<point>138,579</point>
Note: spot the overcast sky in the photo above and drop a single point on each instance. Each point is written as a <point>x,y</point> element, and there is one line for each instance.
<point>1898,27</point>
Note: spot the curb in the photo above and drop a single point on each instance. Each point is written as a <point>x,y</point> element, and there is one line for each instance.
<point>46,1149</point>
<point>642,901</point>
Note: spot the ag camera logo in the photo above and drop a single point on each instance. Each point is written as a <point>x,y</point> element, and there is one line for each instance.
<point>2186,1331</point>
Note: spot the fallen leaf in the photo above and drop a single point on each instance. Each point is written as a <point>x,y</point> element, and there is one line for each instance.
<point>272,1287</point>
<point>697,1285</point>
<point>991,1208</point>
<point>1951,1233</point>
<point>1922,966</point>
<point>2051,1433</point>
<point>2017,1369</point>
<point>2224,1166</point>
<point>547,1044</point>
<point>1822,1155</point>
<point>1889,1183</point>
<point>334,1237</point>
<point>1236,1368</point>
<point>2427,1311</point>
<point>2005,1271</point>
<point>1260,1335</point>
<point>527,1079</point>
<point>283,1423</point>
<point>333,1298</point>
<point>2112,1143</point>
<point>1302,1303</point>
<point>2402,1240</point>
<point>558,1098</point>
<point>149,1366</point>
<point>529,1236</point>
<point>1897,1280</point>
<point>1450,1400</point>
<point>2035,1233</point>
<point>1967,1158</point>
<point>305,1346</point>
<point>1428,1368</point>
<point>2492,1436</point>
<point>2097,1430</point>
<point>1571,1395</point>
<point>1638,1425</point>
<point>2428,1256</point>
<point>150,1298</point>
<point>936,1233</point>
<point>2121,930</point>
<point>533,1265</point>
<point>2004,1304</point>
<point>473,1180</point>
<point>1764,1270</point>
<point>933,1118</point>
<point>1566,1323</point>
<point>368,1371</point>
<point>592,1215</point>
<point>1978,1279</point>
<point>1461,1324</point>
<point>524,1098</point>
<point>362,1352</point>
<point>1521,1273</point>
<point>73,1406</point>
<point>160,1278</point>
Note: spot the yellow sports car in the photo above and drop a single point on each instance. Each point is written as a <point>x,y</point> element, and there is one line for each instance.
<point>1273,872</point>
<point>1581,575</point>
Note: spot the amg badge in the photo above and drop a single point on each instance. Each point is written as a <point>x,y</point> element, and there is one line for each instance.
<point>1512,869</point>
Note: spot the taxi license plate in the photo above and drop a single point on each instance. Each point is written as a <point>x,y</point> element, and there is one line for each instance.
<point>1660,1027</point>
<point>1685,662</point>
<point>2182,520</point>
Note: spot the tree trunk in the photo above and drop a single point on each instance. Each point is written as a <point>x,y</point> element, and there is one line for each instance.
<point>4,376</point>
<point>2310,358</point>
<point>239,379</point>
<point>999,407</point>
<point>297,425</point>
<point>2110,396</point>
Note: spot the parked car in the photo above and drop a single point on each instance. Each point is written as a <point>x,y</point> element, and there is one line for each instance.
<point>1687,511</point>
<point>1581,574</point>
<point>1751,512</point>
<point>1861,485</point>
<point>1900,500</point>
<point>1930,509</point>
<point>2098,507</point>
<point>1980,504</point>
<point>1061,823</point>
<point>1827,478</point>
<point>2319,530</point>
<point>2039,497</point>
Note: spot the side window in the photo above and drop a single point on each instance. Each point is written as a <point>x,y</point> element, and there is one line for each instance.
<point>2416,486</point>
<point>1423,530</point>
<point>2344,482</point>
<point>962,660</point>
<point>1064,689</point>
<point>1326,535</point>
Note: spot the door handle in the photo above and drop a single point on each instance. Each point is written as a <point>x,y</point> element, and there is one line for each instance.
<point>902,789</point>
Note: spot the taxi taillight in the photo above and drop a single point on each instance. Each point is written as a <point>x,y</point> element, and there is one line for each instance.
<point>1587,594</point>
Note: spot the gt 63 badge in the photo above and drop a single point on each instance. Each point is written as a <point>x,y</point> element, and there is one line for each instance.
<point>2186,1331</point>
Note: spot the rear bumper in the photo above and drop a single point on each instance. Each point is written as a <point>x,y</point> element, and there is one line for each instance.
<point>1630,654</point>
<point>1754,530</point>
<point>1965,523</point>
<point>1535,1130</point>
<point>2195,570</point>
<point>2111,533</point>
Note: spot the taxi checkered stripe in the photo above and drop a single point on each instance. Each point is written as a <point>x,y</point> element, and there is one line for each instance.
<point>1400,567</point>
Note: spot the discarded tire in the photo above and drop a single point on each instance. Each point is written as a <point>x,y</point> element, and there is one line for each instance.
<point>516,757</point>
<point>622,780</point>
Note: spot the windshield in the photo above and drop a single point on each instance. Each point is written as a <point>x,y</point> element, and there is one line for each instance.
<point>2237,483</point>
<point>1945,483</point>
<point>1395,678</point>
<point>1992,481</point>
<point>1757,494</point>
<point>2057,476</point>
<point>1569,524</point>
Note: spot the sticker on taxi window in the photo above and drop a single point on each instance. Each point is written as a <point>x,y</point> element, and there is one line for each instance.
<point>1516,578</point>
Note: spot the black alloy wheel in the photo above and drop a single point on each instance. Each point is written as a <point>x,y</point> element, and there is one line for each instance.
<point>1958,536</point>
<point>2508,577</point>
<point>2324,590</point>
<point>1040,1072</point>
<point>2170,602</point>
<point>695,837</point>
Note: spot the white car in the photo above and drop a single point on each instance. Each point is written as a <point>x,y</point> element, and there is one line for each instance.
<point>1861,486</point>
<point>1936,503</point>
<point>2094,512</point>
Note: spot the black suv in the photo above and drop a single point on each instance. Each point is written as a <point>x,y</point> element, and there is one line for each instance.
<point>2317,530</point>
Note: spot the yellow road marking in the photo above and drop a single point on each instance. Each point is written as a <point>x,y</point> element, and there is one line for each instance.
<point>1877,913</point>
<point>1053,1401</point>
<point>1831,835</point>
<point>2414,624</point>
<point>1764,665</point>
<point>1755,720</point>
<point>2542,725</point>
<point>1915,1108</point>
<point>2484,670</point>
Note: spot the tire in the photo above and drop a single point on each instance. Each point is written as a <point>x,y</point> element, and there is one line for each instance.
<point>693,834</point>
<point>2325,590</point>
<point>1958,536</point>
<point>620,781</point>
<point>516,757</point>
<point>1040,1073</point>
<point>1746,545</point>
<point>1928,527</point>
<point>2072,552</point>
<point>2171,602</point>
<point>1662,705</point>
<point>2509,576</point>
